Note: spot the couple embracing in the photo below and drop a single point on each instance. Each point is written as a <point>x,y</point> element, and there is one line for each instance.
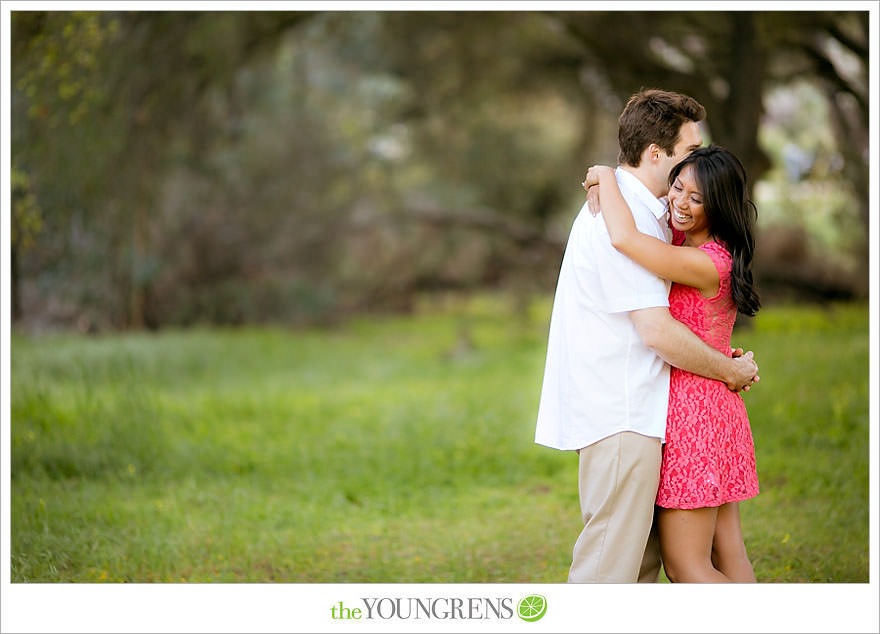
<point>640,378</point>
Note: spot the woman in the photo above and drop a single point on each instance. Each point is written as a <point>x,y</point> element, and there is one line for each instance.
<point>708,457</point>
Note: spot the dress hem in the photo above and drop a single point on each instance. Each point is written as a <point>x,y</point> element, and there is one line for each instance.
<point>690,506</point>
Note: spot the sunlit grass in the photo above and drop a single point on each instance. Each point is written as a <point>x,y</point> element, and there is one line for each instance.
<point>396,450</point>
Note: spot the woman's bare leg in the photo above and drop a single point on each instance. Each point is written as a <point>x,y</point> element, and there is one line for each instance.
<point>686,538</point>
<point>728,549</point>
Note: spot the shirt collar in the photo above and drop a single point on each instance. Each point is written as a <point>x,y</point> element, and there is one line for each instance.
<point>638,189</point>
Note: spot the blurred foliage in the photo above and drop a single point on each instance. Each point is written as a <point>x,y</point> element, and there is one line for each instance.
<point>221,167</point>
<point>813,231</point>
<point>62,53</point>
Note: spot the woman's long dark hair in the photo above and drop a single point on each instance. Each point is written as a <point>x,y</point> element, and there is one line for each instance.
<point>731,215</point>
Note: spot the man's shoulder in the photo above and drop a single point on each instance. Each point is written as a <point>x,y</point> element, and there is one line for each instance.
<point>634,198</point>
<point>637,195</point>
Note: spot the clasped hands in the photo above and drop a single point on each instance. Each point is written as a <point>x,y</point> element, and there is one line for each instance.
<point>747,369</point>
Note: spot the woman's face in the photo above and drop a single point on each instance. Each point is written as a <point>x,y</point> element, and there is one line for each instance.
<point>686,204</point>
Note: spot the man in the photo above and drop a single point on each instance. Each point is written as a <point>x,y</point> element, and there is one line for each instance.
<point>606,381</point>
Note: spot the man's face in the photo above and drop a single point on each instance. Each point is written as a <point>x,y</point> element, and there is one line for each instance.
<point>689,139</point>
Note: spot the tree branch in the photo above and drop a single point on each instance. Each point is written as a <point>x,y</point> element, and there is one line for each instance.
<point>858,48</point>
<point>826,70</point>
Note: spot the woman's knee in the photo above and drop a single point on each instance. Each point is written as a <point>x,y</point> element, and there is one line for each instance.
<point>735,564</point>
<point>673,572</point>
<point>692,572</point>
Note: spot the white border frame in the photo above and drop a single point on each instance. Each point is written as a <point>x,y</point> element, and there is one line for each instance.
<point>306,607</point>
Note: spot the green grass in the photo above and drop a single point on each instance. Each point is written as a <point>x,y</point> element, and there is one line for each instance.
<point>386,451</point>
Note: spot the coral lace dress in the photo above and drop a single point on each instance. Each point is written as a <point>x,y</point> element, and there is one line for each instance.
<point>709,457</point>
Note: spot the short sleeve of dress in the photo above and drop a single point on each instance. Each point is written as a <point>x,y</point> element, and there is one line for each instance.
<point>723,262</point>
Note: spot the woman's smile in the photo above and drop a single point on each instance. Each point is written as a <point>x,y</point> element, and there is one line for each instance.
<point>686,207</point>
<point>680,216</point>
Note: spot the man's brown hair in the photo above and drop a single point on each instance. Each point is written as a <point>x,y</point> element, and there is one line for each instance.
<point>654,116</point>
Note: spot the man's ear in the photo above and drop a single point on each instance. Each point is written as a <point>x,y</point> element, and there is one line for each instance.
<point>654,152</point>
<point>651,154</point>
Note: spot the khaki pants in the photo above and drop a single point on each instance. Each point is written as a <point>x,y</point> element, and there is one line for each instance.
<point>617,480</point>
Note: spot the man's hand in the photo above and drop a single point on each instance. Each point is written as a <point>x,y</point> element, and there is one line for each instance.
<point>744,371</point>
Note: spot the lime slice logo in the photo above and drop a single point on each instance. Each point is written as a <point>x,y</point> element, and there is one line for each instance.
<point>532,607</point>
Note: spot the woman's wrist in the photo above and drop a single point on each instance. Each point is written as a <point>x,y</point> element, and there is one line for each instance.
<point>605,173</point>
<point>596,174</point>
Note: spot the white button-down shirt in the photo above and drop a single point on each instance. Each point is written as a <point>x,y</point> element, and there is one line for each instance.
<point>599,378</point>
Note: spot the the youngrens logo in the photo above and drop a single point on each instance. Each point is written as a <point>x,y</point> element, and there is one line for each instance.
<point>530,608</point>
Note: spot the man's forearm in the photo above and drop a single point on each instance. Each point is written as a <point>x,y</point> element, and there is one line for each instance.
<point>678,346</point>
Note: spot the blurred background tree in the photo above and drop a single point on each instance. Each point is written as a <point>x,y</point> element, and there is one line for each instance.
<point>173,168</point>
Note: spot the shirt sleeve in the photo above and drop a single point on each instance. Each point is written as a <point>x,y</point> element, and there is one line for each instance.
<point>623,284</point>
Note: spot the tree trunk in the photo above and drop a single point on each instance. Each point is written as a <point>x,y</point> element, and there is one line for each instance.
<point>14,285</point>
<point>735,126</point>
<point>137,302</point>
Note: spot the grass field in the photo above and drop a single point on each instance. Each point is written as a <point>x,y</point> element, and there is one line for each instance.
<point>389,450</point>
